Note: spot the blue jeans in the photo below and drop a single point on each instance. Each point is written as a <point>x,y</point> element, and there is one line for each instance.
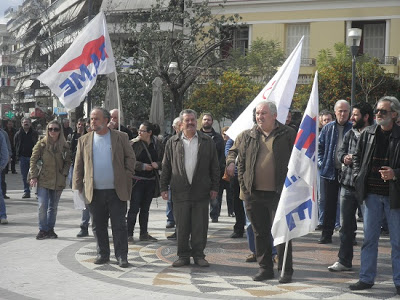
<point>348,205</point>
<point>375,207</point>
<point>249,232</point>
<point>3,212</point>
<point>24,165</point>
<point>85,216</point>
<point>142,195</point>
<point>48,204</point>
<point>169,211</point>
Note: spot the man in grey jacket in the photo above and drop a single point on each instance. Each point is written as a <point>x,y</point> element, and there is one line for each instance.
<point>190,166</point>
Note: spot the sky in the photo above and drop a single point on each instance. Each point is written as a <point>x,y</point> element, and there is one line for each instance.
<point>4,4</point>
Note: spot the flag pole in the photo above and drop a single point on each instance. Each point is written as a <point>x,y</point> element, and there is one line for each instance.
<point>285,253</point>
<point>118,100</point>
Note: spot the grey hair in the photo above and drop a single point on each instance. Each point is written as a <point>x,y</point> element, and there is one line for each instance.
<point>176,121</point>
<point>65,120</point>
<point>106,113</point>
<point>271,106</point>
<point>25,118</point>
<point>187,112</point>
<point>340,102</point>
<point>394,103</point>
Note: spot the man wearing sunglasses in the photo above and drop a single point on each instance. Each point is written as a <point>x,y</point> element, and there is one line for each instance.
<point>376,165</point>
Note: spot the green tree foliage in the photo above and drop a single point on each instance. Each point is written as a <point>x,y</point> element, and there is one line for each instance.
<point>334,80</point>
<point>191,39</point>
<point>260,62</point>
<point>225,98</point>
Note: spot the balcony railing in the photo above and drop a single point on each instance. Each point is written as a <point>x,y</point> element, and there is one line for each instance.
<point>389,60</point>
<point>307,62</point>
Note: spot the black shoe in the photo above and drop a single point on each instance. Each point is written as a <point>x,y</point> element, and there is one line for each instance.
<point>6,197</point>
<point>180,262</point>
<point>51,234</point>
<point>14,172</point>
<point>123,262</point>
<point>359,285</point>
<point>147,238</point>
<point>201,262</point>
<point>215,220</point>
<point>236,235</point>
<point>319,228</point>
<point>84,232</point>
<point>263,275</point>
<point>101,260</point>
<point>325,240</point>
<point>41,235</point>
<point>172,236</point>
<point>26,195</point>
<point>286,278</point>
<point>398,289</point>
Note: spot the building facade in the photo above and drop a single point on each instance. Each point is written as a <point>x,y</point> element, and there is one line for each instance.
<point>323,23</point>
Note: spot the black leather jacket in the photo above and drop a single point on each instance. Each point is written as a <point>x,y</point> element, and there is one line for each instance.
<point>362,163</point>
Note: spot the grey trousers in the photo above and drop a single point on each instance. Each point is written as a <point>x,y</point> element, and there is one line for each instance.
<point>191,219</point>
<point>106,205</point>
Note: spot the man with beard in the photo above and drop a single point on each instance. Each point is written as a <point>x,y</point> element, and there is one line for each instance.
<point>206,127</point>
<point>104,167</point>
<point>190,167</point>
<point>361,117</point>
<point>376,165</point>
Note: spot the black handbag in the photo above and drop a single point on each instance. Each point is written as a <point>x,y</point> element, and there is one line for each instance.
<point>157,192</point>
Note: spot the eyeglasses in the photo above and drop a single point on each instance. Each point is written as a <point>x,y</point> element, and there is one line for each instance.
<point>55,129</point>
<point>140,130</point>
<point>383,112</point>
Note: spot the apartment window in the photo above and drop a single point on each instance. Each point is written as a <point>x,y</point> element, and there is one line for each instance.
<point>239,40</point>
<point>294,32</point>
<point>373,38</point>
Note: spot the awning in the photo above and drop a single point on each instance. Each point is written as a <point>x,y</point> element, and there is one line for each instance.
<point>22,30</point>
<point>18,86</point>
<point>26,84</point>
<point>128,5</point>
<point>69,15</point>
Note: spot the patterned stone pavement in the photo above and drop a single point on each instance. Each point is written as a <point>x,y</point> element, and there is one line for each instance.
<point>64,269</point>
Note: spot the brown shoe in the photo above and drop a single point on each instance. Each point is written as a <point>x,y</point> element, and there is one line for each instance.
<point>251,258</point>
<point>180,262</point>
<point>201,262</point>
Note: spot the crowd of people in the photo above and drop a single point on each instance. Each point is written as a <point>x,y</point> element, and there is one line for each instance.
<point>109,164</point>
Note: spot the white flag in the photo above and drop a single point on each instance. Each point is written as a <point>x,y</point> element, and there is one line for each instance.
<point>296,214</point>
<point>74,74</point>
<point>280,89</point>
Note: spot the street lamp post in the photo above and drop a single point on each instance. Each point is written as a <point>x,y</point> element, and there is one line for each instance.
<point>172,72</point>
<point>354,39</point>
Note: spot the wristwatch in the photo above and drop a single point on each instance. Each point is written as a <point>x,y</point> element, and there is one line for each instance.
<point>394,178</point>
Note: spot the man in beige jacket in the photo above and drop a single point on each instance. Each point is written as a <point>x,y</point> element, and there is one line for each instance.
<point>104,167</point>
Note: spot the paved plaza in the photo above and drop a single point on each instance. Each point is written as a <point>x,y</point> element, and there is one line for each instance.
<point>63,268</point>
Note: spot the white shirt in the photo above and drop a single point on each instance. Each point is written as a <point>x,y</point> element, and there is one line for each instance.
<point>103,172</point>
<point>190,146</point>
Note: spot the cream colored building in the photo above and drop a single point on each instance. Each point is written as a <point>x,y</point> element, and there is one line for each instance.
<point>323,23</point>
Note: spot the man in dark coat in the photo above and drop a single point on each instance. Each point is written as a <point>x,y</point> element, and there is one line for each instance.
<point>190,167</point>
